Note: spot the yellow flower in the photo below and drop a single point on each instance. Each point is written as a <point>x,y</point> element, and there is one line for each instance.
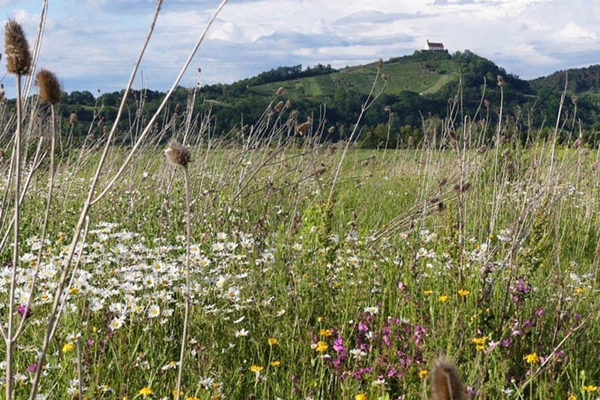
<point>145,391</point>
<point>532,358</point>
<point>321,347</point>
<point>479,347</point>
<point>428,292</point>
<point>275,363</point>
<point>589,388</point>
<point>325,332</point>
<point>192,398</point>
<point>463,292</point>
<point>272,341</point>
<point>479,341</point>
<point>444,298</point>
<point>174,392</point>
<point>423,373</point>
<point>361,396</point>
<point>68,347</point>
<point>256,368</point>
<point>580,290</point>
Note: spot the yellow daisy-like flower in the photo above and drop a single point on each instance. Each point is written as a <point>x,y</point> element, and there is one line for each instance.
<point>321,347</point>
<point>275,363</point>
<point>572,397</point>
<point>68,347</point>
<point>589,388</point>
<point>580,290</point>
<point>256,368</point>
<point>192,398</point>
<point>532,358</point>
<point>146,391</point>
<point>423,373</point>
<point>174,392</point>
<point>325,332</point>
<point>444,298</point>
<point>361,396</point>
<point>272,341</point>
<point>428,292</point>
<point>463,292</point>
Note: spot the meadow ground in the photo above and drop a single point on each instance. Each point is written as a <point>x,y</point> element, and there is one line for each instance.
<point>316,274</point>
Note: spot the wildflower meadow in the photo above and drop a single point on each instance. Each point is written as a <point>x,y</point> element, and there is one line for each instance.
<point>279,265</point>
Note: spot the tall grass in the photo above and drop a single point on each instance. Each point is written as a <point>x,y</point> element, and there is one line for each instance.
<point>314,270</point>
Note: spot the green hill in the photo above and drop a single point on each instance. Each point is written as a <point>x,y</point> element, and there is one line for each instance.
<point>415,88</point>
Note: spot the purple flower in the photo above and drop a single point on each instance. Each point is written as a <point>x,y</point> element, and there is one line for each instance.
<point>506,342</point>
<point>528,323</point>
<point>359,373</point>
<point>23,310</point>
<point>539,312</point>
<point>470,391</point>
<point>362,327</point>
<point>338,345</point>
<point>32,368</point>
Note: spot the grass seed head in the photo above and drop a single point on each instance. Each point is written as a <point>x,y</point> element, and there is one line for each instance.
<point>50,91</point>
<point>177,154</point>
<point>18,56</point>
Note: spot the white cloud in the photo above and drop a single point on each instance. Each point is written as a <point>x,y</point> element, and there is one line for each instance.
<point>573,32</point>
<point>93,43</point>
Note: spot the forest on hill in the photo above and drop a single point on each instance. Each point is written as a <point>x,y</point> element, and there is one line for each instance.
<point>411,92</point>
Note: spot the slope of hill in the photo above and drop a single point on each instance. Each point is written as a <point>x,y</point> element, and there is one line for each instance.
<point>421,72</point>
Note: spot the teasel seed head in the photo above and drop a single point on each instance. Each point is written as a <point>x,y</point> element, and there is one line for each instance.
<point>50,91</point>
<point>380,63</point>
<point>280,91</point>
<point>575,99</point>
<point>18,56</point>
<point>177,154</point>
<point>73,119</point>
<point>445,381</point>
<point>501,81</point>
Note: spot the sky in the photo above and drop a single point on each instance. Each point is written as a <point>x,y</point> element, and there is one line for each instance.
<point>93,44</point>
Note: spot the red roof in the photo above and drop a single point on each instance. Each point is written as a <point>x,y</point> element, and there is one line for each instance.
<point>433,45</point>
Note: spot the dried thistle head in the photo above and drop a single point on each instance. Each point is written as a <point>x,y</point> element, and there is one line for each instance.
<point>445,381</point>
<point>50,91</point>
<point>177,154</point>
<point>18,56</point>
<point>280,91</point>
<point>380,63</point>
